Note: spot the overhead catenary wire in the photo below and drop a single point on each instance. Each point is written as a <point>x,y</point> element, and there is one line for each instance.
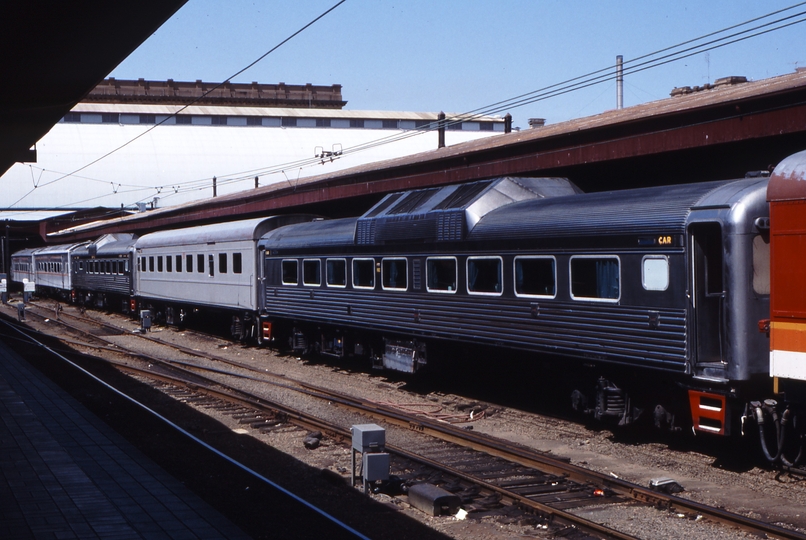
<point>644,62</point>
<point>595,77</point>
<point>204,94</point>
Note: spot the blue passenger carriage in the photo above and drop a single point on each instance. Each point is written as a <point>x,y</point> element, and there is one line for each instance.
<point>103,272</point>
<point>653,295</point>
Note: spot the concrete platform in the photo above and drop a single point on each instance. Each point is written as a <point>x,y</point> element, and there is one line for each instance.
<point>65,474</point>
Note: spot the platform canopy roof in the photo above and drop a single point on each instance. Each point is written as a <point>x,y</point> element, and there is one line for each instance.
<point>54,53</point>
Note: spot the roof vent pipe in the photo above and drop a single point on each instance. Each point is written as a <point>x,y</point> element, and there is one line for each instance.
<point>619,82</point>
<point>441,130</point>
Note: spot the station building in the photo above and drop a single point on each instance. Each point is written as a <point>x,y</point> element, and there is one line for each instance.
<point>138,143</point>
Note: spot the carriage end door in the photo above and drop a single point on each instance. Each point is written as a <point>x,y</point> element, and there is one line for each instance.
<point>708,292</point>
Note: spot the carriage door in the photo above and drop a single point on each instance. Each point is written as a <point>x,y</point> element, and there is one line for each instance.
<point>707,299</point>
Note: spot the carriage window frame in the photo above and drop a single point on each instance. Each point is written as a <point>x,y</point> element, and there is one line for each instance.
<point>318,282</point>
<point>200,263</point>
<point>648,286</point>
<point>169,263</point>
<point>761,264</point>
<point>438,290</point>
<point>328,264</point>
<point>500,260</point>
<point>593,298</point>
<point>189,263</point>
<point>178,264</point>
<point>237,263</point>
<point>551,258</point>
<point>384,271</point>
<point>373,272</point>
<point>296,271</point>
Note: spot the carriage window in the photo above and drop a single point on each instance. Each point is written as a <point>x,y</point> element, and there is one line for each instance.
<point>761,264</point>
<point>290,274</point>
<point>222,263</point>
<point>200,263</point>
<point>169,263</point>
<point>237,263</point>
<point>81,265</point>
<point>440,274</point>
<point>120,268</point>
<point>595,278</point>
<point>126,266</point>
<point>336,273</point>
<point>151,263</point>
<point>210,265</point>
<point>311,272</point>
<point>159,263</point>
<point>189,263</point>
<point>485,275</point>
<point>393,274</point>
<point>178,263</point>
<point>364,273</point>
<point>655,273</point>
<point>536,276</point>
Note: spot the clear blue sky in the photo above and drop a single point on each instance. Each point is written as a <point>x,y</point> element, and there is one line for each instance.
<point>458,55</point>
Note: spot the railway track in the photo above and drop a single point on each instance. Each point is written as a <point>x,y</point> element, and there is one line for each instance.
<point>484,471</point>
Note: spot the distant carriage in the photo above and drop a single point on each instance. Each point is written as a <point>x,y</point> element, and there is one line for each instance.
<point>103,272</point>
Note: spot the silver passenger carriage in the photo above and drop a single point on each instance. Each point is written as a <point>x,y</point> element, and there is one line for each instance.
<point>52,269</point>
<point>205,269</point>
<point>103,272</point>
<point>22,266</point>
<point>650,296</point>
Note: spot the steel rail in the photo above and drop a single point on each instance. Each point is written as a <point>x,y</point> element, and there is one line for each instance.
<point>195,439</point>
<point>213,388</point>
<point>513,453</point>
